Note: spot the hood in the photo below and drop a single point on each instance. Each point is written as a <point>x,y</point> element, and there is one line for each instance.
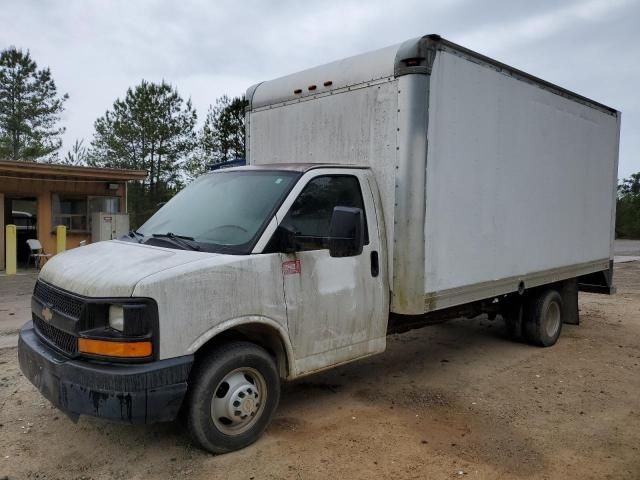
<point>112,268</point>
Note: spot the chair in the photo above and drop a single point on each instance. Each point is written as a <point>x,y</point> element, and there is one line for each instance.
<point>37,253</point>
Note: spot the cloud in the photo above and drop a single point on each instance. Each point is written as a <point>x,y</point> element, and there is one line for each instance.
<point>97,49</point>
<point>503,36</point>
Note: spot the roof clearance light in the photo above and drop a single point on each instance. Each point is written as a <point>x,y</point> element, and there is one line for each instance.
<point>312,87</point>
<point>297,91</point>
<point>412,62</point>
<point>328,83</point>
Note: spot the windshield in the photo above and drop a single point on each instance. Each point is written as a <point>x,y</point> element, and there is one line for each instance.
<point>222,211</point>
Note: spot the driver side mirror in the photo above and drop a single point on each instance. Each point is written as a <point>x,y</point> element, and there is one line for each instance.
<point>346,232</point>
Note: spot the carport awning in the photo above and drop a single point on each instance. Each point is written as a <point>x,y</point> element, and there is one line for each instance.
<point>33,170</point>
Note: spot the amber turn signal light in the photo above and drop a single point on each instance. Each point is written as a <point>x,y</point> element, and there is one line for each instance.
<point>115,349</point>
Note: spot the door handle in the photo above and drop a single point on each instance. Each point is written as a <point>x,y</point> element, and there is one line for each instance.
<point>375,264</point>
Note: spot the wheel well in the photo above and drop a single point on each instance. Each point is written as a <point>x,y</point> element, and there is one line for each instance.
<point>260,334</point>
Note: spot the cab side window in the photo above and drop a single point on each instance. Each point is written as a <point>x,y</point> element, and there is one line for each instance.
<point>310,215</point>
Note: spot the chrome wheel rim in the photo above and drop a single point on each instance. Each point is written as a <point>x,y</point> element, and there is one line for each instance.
<point>552,319</point>
<point>238,401</point>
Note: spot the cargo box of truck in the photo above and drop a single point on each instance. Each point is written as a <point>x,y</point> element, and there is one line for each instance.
<point>491,180</point>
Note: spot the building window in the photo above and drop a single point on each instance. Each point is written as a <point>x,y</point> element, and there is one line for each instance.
<point>74,212</point>
<point>102,204</point>
<point>71,212</point>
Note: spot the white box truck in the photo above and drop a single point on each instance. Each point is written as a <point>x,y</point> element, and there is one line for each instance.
<point>384,192</point>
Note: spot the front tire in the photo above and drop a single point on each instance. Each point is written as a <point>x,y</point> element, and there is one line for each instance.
<point>232,398</point>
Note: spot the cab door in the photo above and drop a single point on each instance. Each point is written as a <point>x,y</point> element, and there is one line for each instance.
<point>336,307</point>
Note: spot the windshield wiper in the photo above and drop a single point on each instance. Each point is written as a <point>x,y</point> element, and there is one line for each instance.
<point>135,234</point>
<point>181,240</point>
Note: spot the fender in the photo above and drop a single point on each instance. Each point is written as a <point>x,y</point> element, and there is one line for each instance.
<point>248,320</point>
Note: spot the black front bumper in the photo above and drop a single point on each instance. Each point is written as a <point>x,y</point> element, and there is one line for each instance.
<point>136,393</point>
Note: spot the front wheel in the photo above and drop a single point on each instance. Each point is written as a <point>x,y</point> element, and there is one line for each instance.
<point>233,396</point>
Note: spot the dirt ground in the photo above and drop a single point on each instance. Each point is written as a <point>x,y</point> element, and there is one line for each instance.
<point>456,400</point>
<point>15,305</point>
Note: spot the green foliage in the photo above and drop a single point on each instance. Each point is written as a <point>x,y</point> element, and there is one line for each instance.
<point>77,156</point>
<point>151,129</point>
<point>628,208</point>
<point>221,137</point>
<point>30,109</point>
<point>140,203</point>
<point>630,186</point>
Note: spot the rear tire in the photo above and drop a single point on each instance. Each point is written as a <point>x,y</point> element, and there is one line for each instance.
<point>232,398</point>
<point>542,323</point>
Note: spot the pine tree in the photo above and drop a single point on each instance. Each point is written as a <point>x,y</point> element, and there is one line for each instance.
<point>222,136</point>
<point>30,109</point>
<point>151,129</point>
<point>77,156</point>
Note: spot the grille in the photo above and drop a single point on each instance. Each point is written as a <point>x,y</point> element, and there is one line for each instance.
<point>63,340</point>
<point>60,301</point>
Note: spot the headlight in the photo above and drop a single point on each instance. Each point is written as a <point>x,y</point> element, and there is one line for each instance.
<point>129,318</point>
<point>120,329</point>
<point>116,317</point>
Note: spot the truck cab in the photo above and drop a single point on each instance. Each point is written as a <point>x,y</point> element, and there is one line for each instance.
<point>288,270</point>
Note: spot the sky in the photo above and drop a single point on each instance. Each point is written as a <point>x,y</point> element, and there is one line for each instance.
<point>97,49</point>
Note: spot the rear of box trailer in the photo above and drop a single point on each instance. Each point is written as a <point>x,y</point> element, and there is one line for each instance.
<point>491,180</point>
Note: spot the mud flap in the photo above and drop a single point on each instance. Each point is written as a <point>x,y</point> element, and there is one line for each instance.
<point>513,316</point>
<point>569,292</point>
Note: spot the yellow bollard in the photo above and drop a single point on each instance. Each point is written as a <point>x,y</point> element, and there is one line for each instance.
<point>11,249</point>
<point>61,238</point>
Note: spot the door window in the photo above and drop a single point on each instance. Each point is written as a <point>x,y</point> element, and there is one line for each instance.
<point>310,215</point>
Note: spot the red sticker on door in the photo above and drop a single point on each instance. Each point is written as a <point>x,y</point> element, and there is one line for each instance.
<point>291,267</point>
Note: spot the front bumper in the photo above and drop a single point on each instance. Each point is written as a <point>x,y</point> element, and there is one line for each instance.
<point>136,393</point>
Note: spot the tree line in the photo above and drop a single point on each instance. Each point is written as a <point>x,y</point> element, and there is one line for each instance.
<point>152,128</point>
<point>628,207</point>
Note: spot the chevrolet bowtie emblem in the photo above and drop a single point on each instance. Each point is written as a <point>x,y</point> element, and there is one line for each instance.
<point>47,314</point>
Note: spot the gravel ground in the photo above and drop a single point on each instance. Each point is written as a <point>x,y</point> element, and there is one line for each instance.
<point>456,400</point>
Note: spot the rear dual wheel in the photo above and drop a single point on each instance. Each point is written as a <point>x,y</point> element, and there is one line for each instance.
<point>233,395</point>
<point>542,323</point>
<point>538,319</point>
